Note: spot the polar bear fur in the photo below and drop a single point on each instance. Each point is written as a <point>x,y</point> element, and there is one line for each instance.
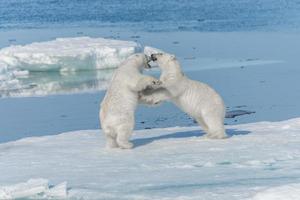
<point>197,99</point>
<point>121,99</point>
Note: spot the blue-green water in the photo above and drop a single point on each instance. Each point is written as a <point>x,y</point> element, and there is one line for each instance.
<point>154,15</point>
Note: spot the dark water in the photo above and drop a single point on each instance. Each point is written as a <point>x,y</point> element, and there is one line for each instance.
<point>153,15</point>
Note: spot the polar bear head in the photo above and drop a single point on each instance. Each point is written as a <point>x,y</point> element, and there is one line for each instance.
<point>166,61</point>
<point>139,60</point>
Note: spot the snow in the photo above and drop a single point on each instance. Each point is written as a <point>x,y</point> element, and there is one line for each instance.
<point>258,161</point>
<point>63,55</point>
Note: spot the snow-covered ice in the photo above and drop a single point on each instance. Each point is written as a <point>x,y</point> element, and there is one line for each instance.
<point>79,53</point>
<point>59,59</point>
<point>170,163</point>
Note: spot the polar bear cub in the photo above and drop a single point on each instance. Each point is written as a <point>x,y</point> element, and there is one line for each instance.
<point>197,99</point>
<point>121,99</point>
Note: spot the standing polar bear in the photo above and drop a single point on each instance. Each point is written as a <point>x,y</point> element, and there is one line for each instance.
<point>197,99</point>
<point>121,99</point>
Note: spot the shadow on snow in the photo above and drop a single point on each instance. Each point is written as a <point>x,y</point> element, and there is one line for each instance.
<point>144,141</point>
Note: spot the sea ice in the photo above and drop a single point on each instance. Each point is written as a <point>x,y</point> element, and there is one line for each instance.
<point>80,53</point>
<point>167,163</point>
<point>61,65</point>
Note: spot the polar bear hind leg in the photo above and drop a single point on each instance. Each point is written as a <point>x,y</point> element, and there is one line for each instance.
<point>213,127</point>
<point>202,124</point>
<point>216,133</point>
<point>123,134</point>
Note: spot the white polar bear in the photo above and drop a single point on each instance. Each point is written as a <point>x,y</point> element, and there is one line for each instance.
<point>197,99</point>
<point>121,99</point>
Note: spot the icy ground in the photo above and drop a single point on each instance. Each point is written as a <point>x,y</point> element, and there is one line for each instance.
<point>258,161</point>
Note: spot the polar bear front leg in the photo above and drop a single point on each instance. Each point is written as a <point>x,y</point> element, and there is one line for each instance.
<point>147,82</point>
<point>123,134</point>
<point>111,142</point>
<point>110,138</point>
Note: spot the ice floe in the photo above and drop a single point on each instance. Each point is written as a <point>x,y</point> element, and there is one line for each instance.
<point>61,65</point>
<point>166,163</point>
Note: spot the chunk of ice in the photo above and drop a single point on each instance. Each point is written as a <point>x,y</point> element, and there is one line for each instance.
<point>80,53</point>
<point>34,188</point>
<point>43,64</point>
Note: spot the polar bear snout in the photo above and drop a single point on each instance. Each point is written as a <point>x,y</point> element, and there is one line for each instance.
<point>150,61</point>
<point>153,57</point>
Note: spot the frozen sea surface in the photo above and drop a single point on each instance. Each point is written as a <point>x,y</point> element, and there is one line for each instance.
<point>170,163</point>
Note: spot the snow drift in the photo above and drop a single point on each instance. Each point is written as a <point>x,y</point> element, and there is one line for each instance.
<point>170,163</point>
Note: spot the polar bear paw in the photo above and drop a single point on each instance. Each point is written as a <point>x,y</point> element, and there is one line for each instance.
<point>216,136</point>
<point>125,144</point>
<point>154,84</point>
<point>111,143</point>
